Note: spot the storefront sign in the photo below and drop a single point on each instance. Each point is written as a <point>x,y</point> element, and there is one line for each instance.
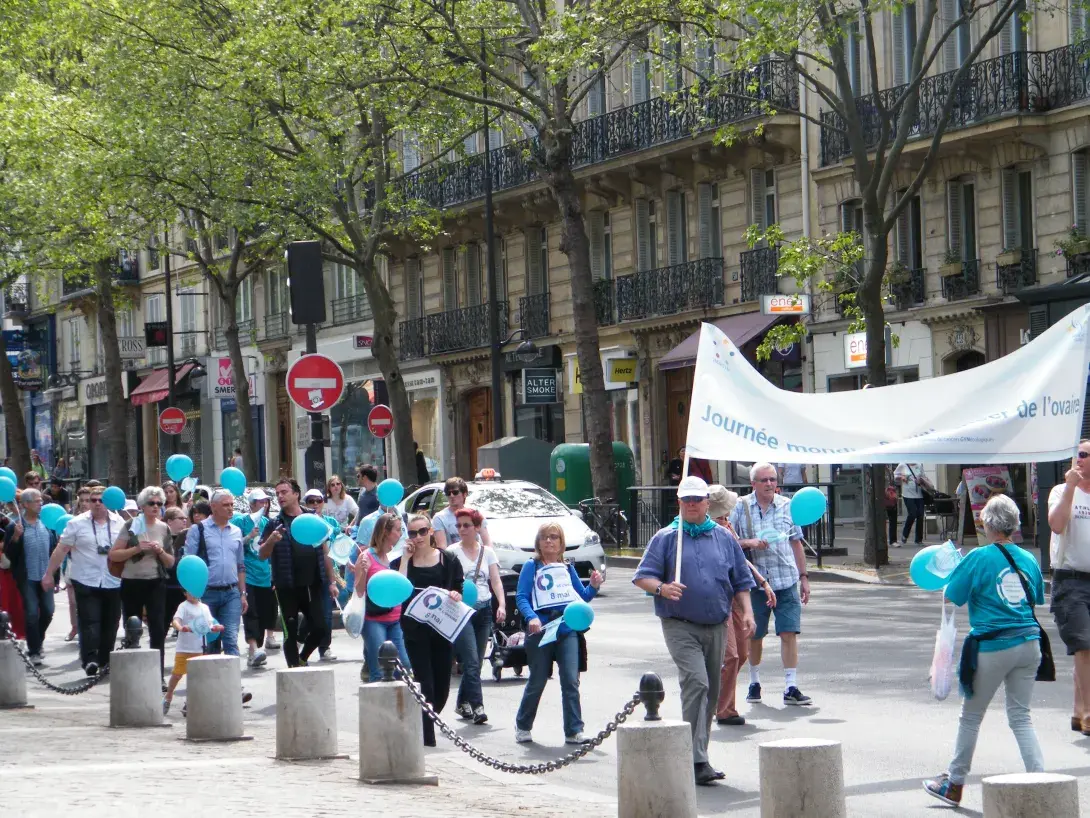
<point>221,381</point>
<point>540,386</point>
<point>575,383</point>
<point>95,390</point>
<point>981,484</point>
<point>133,348</point>
<point>155,333</point>
<point>1023,407</point>
<point>363,342</point>
<point>29,372</point>
<point>547,357</point>
<point>855,349</point>
<point>785,304</point>
<point>623,370</point>
<point>421,380</point>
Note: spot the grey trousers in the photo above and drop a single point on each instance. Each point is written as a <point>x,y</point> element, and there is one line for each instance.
<point>697,650</point>
<point>1016,669</point>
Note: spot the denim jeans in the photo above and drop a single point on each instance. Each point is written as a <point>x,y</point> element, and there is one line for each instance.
<point>565,651</point>
<point>1016,669</point>
<point>914,514</point>
<point>470,648</point>
<point>374,634</point>
<point>38,607</point>
<point>226,608</point>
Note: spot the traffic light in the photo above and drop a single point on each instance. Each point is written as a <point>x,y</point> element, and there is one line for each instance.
<point>306,285</point>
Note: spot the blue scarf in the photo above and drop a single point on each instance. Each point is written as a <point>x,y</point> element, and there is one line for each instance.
<point>694,529</point>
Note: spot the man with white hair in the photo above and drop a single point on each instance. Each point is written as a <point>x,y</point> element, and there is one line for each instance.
<point>218,542</point>
<point>763,521</point>
<point>28,544</point>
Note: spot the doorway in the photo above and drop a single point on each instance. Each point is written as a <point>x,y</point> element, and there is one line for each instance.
<point>479,412</point>
<point>679,391</point>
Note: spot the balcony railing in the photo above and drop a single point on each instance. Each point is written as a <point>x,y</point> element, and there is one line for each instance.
<point>76,285</point>
<point>534,315</point>
<point>1011,277</point>
<point>605,300</point>
<point>964,284</point>
<point>759,272</point>
<point>411,339</point>
<point>17,299</point>
<point>351,308</point>
<point>277,325</point>
<point>1078,265</point>
<point>466,328</point>
<point>245,331</point>
<point>694,285</point>
<point>1025,82</point>
<point>733,97</point>
<point>911,292</point>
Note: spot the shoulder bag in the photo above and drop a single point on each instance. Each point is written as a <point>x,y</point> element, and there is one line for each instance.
<point>1046,671</point>
<point>927,494</point>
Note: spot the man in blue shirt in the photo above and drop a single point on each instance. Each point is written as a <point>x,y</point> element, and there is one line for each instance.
<point>222,549</point>
<point>28,544</point>
<point>694,606</point>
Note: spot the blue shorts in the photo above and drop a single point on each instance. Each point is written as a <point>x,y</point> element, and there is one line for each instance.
<point>788,611</point>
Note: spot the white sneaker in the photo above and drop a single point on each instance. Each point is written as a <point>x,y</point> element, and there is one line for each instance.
<point>578,738</point>
<point>271,643</point>
<point>523,736</point>
<point>258,658</point>
<point>36,659</point>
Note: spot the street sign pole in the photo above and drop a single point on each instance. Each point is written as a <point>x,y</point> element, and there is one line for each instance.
<point>314,471</point>
<point>172,440</point>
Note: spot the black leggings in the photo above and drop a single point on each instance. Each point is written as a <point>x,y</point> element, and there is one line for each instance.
<point>891,518</point>
<point>98,612</point>
<point>138,594</point>
<point>308,602</point>
<point>914,514</point>
<point>431,656</point>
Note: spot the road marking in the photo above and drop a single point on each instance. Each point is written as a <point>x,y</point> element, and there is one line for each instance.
<point>128,766</point>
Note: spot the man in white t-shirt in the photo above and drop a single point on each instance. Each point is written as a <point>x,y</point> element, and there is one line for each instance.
<point>791,474</point>
<point>912,480</point>
<point>1069,519</point>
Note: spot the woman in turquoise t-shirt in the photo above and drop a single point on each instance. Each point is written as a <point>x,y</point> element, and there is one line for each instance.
<point>259,622</point>
<point>1003,646</point>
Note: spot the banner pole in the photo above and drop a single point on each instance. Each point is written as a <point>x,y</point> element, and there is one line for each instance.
<point>680,521</point>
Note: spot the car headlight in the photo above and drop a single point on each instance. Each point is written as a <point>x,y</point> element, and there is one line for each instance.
<point>503,546</point>
<point>592,539</point>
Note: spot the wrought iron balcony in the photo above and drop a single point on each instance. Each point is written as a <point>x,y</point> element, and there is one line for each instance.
<point>911,291</point>
<point>277,325</point>
<point>1025,82</point>
<point>1078,265</point>
<point>466,328</point>
<point>534,315</point>
<point>695,285</point>
<point>351,308</point>
<point>1016,274</point>
<point>72,286</point>
<point>759,272</point>
<point>17,300</point>
<point>605,298</point>
<point>733,97</point>
<point>964,284</point>
<point>411,339</point>
<point>245,334</point>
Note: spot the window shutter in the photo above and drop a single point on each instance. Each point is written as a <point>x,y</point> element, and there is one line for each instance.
<point>495,138</point>
<point>1076,19</point>
<point>596,220</point>
<point>1078,187</point>
<point>643,235</point>
<point>473,274</point>
<point>450,280</point>
<point>410,153</point>
<point>675,227</point>
<point>596,99</point>
<point>533,261</point>
<point>898,27</point>
<point>470,144</point>
<point>1038,320</point>
<point>639,78</point>
<point>953,200</point>
<point>904,244</point>
<point>950,47</point>
<point>1011,226</point>
<point>412,288</point>
<point>705,58</point>
<point>757,194</point>
<point>704,205</point>
<point>1006,34</point>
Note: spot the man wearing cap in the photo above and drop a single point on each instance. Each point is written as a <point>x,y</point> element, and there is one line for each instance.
<point>694,606</point>
<point>259,623</point>
<point>763,520</point>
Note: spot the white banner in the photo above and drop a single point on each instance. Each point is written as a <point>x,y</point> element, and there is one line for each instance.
<point>433,606</point>
<point>553,586</point>
<point>1024,407</point>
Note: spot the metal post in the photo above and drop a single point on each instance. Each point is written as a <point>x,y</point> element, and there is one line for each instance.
<point>387,660</point>
<point>652,694</point>
<point>493,289</point>
<point>314,468</point>
<point>172,440</point>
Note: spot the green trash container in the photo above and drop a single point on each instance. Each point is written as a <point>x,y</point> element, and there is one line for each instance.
<point>569,472</point>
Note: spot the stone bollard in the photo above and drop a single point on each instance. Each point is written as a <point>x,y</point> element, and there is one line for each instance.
<point>136,698</point>
<point>1031,795</point>
<point>214,699</point>
<point>655,762</point>
<point>391,732</point>
<point>802,776</point>
<point>306,715</point>
<point>13,690</point>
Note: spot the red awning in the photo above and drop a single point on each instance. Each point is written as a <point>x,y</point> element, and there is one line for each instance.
<point>155,387</point>
<point>741,329</point>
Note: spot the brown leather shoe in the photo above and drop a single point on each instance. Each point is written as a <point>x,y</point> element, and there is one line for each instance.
<point>1076,724</point>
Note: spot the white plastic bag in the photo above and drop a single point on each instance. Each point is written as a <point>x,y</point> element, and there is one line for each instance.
<point>352,615</point>
<point>942,664</point>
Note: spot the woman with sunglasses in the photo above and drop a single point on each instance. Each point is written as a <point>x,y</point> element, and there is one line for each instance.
<point>479,563</point>
<point>145,546</point>
<point>379,624</point>
<point>430,652</point>
<point>444,522</point>
<point>339,503</point>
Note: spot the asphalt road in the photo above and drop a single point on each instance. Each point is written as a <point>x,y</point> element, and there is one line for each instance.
<point>865,655</point>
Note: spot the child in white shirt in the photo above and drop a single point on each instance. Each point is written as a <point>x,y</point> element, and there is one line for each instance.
<point>189,644</point>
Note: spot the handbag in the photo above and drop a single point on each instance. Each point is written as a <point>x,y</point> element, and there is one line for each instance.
<point>1046,670</point>
<point>927,494</point>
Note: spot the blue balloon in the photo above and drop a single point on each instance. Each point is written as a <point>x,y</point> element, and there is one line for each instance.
<point>50,514</point>
<point>808,505</point>
<point>212,635</point>
<point>390,492</point>
<point>309,529</point>
<point>233,480</point>
<point>470,593</point>
<point>179,467</point>
<point>7,490</point>
<point>388,589</point>
<point>933,566</point>
<point>193,574</point>
<point>113,498</point>
<point>578,616</point>
<point>10,474</point>
<point>61,523</point>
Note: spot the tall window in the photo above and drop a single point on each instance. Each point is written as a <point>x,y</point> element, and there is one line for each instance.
<point>73,343</point>
<point>671,66</point>
<point>187,321</point>
<point>410,152</point>
<point>851,221</point>
<point>414,289</point>
<point>853,55</point>
<point>601,245</point>
<point>904,41</point>
<point>126,323</point>
<point>276,289</point>
<point>677,239</point>
<point>908,235</point>
<point>596,97</point>
<point>1076,21</point>
<point>1017,209</point>
<point>476,286</point>
<point>710,220</point>
<point>153,252</point>
<point>154,311</point>
<point>762,197</point>
<point>958,46</point>
<point>1012,38</point>
<point>450,279</point>
<point>705,58</point>
<point>345,281</point>
<point>1080,190</point>
<point>244,304</point>
<point>961,217</point>
<point>537,260</point>
<point>641,77</point>
<point>647,236</point>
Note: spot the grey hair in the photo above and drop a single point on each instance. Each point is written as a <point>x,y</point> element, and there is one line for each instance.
<point>219,494</point>
<point>1000,514</point>
<point>28,495</point>
<point>759,467</point>
<point>150,493</point>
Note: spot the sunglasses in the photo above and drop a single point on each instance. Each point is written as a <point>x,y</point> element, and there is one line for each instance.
<point>417,532</point>
<point>313,501</point>
<point>550,537</point>
<point>95,500</point>
<point>692,499</point>
<point>331,485</point>
<point>155,503</point>
<point>1084,455</point>
<point>454,492</point>
<point>766,480</point>
<point>465,525</point>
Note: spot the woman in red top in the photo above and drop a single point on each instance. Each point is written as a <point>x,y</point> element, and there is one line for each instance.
<point>10,598</point>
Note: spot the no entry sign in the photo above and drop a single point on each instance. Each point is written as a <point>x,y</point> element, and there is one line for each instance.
<point>172,421</point>
<point>380,421</point>
<point>315,383</point>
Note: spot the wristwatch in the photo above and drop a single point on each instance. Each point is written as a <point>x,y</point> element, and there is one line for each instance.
<point>658,590</point>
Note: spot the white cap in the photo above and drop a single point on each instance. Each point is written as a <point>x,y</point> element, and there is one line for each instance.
<point>258,494</point>
<point>314,493</point>
<point>692,486</point>
<point>130,504</point>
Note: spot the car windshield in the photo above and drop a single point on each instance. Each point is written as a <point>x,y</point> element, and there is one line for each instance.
<point>516,502</point>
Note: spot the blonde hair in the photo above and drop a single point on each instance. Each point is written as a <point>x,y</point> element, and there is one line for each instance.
<point>329,492</point>
<point>549,528</point>
<point>383,526</point>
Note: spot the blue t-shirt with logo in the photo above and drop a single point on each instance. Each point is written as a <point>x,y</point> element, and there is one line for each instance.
<point>258,571</point>
<point>996,600</point>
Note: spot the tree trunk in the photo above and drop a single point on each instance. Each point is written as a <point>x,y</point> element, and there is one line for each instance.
<point>18,444</point>
<point>117,440</point>
<point>242,388</point>
<point>875,544</point>
<point>576,247</point>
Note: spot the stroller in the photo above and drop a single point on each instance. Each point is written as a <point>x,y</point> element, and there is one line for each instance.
<point>508,650</point>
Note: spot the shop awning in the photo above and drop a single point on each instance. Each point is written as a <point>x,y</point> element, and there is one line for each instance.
<point>739,328</point>
<point>155,387</point>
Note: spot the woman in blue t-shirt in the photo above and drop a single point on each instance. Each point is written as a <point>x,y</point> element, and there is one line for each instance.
<point>1003,646</point>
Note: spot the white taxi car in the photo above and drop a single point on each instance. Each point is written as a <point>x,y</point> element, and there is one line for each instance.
<point>514,511</point>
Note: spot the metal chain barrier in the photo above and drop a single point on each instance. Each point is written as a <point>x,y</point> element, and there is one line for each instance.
<point>66,690</point>
<point>506,766</point>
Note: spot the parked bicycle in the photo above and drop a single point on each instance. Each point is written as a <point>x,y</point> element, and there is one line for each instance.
<point>607,520</point>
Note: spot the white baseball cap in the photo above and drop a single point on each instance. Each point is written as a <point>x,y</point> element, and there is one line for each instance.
<point>692,486</point>
<point>314,493</point>
<point>257,495</point>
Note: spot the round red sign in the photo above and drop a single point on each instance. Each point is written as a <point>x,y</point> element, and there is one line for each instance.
<point>172,420</point>
<point>315,383</point>
<point>380,421</point>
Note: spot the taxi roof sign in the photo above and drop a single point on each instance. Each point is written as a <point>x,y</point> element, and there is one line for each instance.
<point>798,304</point>
<point>487,474</point>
